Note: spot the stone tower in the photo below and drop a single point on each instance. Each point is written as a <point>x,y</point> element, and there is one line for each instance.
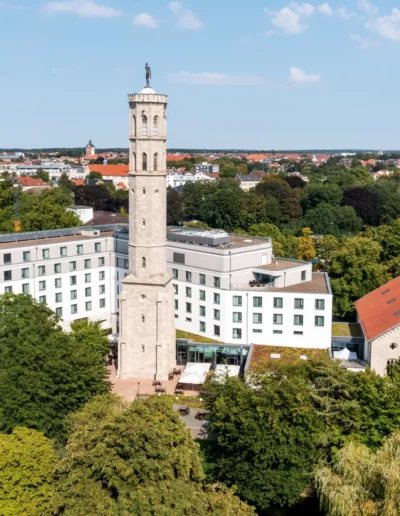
<point>147,326</point>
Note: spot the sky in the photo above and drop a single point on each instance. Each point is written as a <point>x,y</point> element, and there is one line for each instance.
<point>248,74</point>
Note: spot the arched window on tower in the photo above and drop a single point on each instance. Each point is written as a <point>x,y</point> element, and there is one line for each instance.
<point>144,161</point>
<point>133,125</point>
<point>144,191</point>
<point>143,262</point>
<point>155,125</point>
<point>143,222</point>
<point>134,160</point>
<point>155,162</point>
<point>144,125</point>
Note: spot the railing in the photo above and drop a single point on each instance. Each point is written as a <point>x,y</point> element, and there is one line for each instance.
<point>252,286</point>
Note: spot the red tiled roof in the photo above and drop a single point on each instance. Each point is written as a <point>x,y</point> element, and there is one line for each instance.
<point>110,170</point>
<point>256,157</point>
<point>31,181</point>
<point>78,182</point>
<point>122,185</point>
<point>379,311</point>
<point>178,157</point>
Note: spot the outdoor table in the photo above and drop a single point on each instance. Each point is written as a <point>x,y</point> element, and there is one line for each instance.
<point>179,391</point>
<point>185,410</point>
<point>161,389</point>
<point>177,371</point>
<point>170,376</point>
<point>157,382</point>
<point>202,414</point>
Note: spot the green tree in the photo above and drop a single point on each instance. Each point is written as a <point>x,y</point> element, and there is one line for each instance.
<point>42,174</point>
<point>332,220</point>
<point>197,224</point>
<point>65,183</point>
<point>305,246</point>
<point>174,208</point>
<point>27,463</point>
<point>94,175</point>
<point>258,209</point>
<point>325,247</point>
<point>317,193</point>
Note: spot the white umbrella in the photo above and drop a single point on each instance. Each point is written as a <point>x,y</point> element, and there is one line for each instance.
<point>194,378</point>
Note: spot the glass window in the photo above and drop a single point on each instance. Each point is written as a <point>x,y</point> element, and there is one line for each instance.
<point>7,258</point>
<point>217,331</point>
<point>237,333</point>
<point>320,304</point>
<point>57,283</point>
<point>7,275</point>
<point>257,318</point>
<point>126,264</point>
<point>217,282</point>
<point>257,302</point>
<point>88,306</point>
<point>144,125</point>
<point>63,251</point>
<point>189,308</point>
<point>88,264</point>
<point>72,266</point>
<point>26,256</point>
<point>217,299</point>
<point>25,273</point>
<point>188,276</point>
<point>72,280</point>
<point>88,277</point>
<point>25,288</point>
<point>176,304</point>
<point>59,311</point>
<point>155,129</point>
<point>278,302</point>
<point>299,303</point>
<point>45,254</point>
<point>74,309</point>
<point>102,261</point>
<point>202,294</point>
<point>8,290</point>
<point>237,316</point>
<point>42,299</point>
<point>319,320</point>
<point>303,275</point>
<point>155,162</point>
<point>102,275</point>
<point>41,270</point>
<point>175,288</point>
<point>277,331</point>
<point>88,291</point>
<point>74,294</point>
<point>102,289</point>
<point>202,311</point>
<point>59,297</point>
<point>79,249</point>
<point>188,292</point>
<point>175,273</point>
<point>202,279</point>
<point>57,268</point>
<point>297,333</point>
<point>97,247</point>
<point>217,314</point>
<point>298,320</point>
<point>144,161</point>
<point>278,319</point>
<point>202,326</point>
<point>42,285</point>
<point>102,302</point>
<point>237,300</point>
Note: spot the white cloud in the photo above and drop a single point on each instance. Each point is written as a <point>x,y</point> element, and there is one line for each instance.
<point>185,18</point>
<point>344,14</point>
<point>290,19</point>
<point>216,78</point>
<point>387,26</point>
<point>82,8</point>
<point>145,20</point>
<point>325,9</point>
<point>363,43</point>
<point>298,76</point>
<point>367,6</point>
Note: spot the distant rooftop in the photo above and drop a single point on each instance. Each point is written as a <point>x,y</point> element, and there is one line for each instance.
<point>213,238</point>
<point>282,264</point>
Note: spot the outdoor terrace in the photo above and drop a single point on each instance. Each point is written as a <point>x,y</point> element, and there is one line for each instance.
<point>317,285</point>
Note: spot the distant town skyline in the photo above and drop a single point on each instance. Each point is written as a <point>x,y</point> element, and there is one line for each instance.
<point>270,75</point>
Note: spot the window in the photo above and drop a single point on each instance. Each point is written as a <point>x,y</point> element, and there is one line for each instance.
<point>59,297</point>
<point>144,161</point>
<point>26,256</point>
<point>143,262</point>
<point>101,261</point>
<point>97,247</point>
<point>257,318</point>
<point>42,299</point>
<point>202,294</point>
<point>144,191</point>
<point>178,258</point>
<point>7,276</point>
<point>88,291</point>
<point>237,333</point>
<point>237,300</point>
<point>57,268</point>
<point>202,326</point>
<point>298,320</point>
<point>102,289</point>
<point>320,304</point>
<point>88,277</point>
<point>257,331</point>
<point>155,126</point>
<point>217,282</point>
<point>278,319</point>
<point>42,285</point>
<point>133,125</point>
<point>74,309</point>
<point>299,304</point>
<point>102,275</point>
<point>217,331</point>
<point>175,273</point>
<point>144,125</point>
<point>189,308</point>
<point>25,288</point>
<point>88,306</point>
<point>175,288</point>
<point>72,280</point>
<point>74,294</point>
<point>257,302</point>
<point>277,331</point>
<point>202,279</point>
<point>176,304</point>
<point>126,264</point>
<point>217,299</point>
<point>7,258</point>
<point>41,270</point>
<point>88,264</point>
<point>188,292</point>
<point>102,303</point>
<point>25,273</point>
<point>278,302</point>
<point>303,275</point>
<point>133,163</point>
<point>202,311</point>
<point>189,319</point>
<point>188,276</point>
<point>57,283</point>
<point>217,315</point>
<point>72,266</point>
<point>63,251</point>
<point>155,162</point>
<point>45,254</point>
<point>297,333</point>
<point>319,320</point>
<point>237,317</point>
<point>8,290</point>
<point>59,311</point>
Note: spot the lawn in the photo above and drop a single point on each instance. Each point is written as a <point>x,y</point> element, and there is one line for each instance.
<point>180,334</point>
<point>346,330</point>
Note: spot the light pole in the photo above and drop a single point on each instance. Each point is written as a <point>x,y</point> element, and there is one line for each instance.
<point>138,390</point>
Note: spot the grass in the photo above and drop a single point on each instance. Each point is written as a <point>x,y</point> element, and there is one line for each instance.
<point>180,334</point>
<point>262,362</point>
<point>346,330</point>
<point>190,401</point>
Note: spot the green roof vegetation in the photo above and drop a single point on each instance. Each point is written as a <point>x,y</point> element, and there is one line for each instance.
<point>346,330</point>
<point>262,360</point>
<point>180,334</point>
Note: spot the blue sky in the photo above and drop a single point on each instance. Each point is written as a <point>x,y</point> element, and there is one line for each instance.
<point>259,74</point>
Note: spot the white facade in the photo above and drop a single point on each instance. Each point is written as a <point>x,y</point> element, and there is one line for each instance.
<point>85,213</point>
<point>55,171</point>
<point>174,180</point>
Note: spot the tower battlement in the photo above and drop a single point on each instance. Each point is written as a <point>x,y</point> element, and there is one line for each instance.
<point>147,97</point>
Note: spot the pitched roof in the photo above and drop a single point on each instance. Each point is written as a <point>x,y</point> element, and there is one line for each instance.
<point>122,186</point>
<point>110,170</point>
<point>78,182</point>
<point>31,181</point>
<point>379,311</point>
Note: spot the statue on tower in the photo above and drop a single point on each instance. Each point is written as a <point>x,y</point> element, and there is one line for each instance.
<point>148,75</point>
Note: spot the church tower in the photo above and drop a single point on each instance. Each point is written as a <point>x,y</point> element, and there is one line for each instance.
<point>147,339</point>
